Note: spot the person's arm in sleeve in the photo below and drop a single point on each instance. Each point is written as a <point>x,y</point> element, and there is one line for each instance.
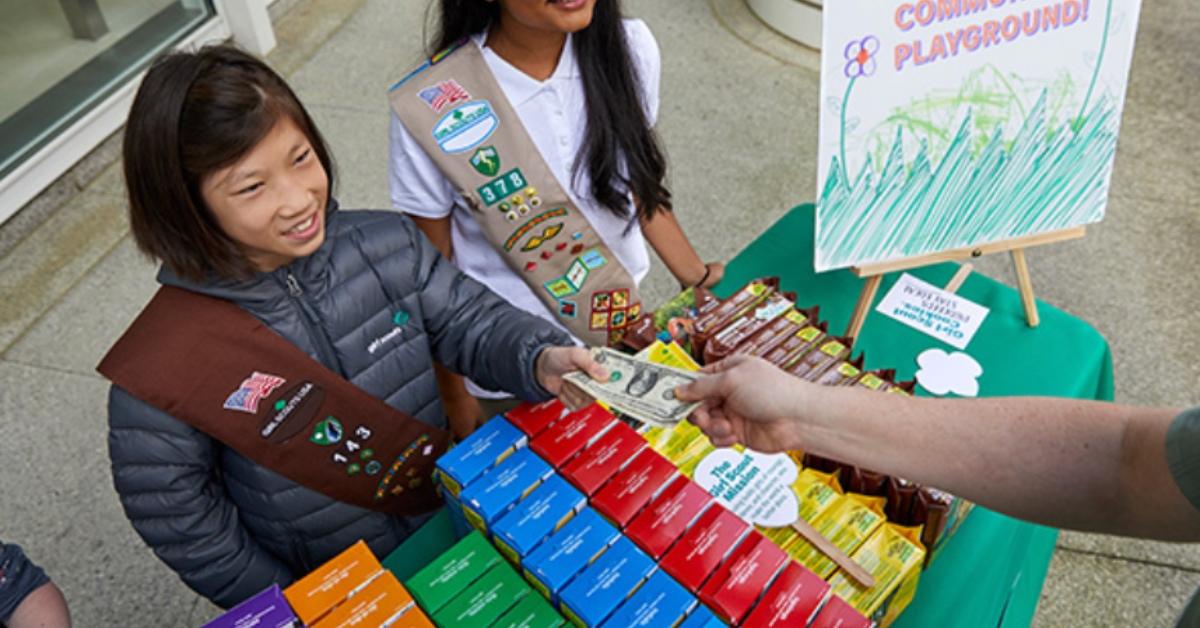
<point>28,599</point>
<point>165,474</point>
<point>472,330</point>
<point>420,191</point>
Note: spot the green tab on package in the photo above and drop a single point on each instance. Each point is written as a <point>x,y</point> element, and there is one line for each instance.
<point>533,611</point>
<point>451,573</point>
<point>486,600</point>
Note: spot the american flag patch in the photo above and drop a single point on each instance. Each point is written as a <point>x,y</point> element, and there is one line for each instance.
<point>443,94</point>
<point>253,390</point>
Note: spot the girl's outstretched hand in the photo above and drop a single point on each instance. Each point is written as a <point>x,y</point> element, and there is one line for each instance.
<point>554,362</point>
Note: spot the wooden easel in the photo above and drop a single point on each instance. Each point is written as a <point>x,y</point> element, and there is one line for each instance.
<point>873,273</point>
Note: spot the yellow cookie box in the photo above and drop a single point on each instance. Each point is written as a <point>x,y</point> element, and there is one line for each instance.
<point>893,555</point>
<point>816,492</point>
<point>847,523</point>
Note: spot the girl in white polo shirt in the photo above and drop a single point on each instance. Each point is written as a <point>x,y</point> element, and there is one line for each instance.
<point>555,218</point>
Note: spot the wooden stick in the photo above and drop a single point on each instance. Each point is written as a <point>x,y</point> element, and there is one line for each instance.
<point>863,307</point>
<point>835,553</point>
<point>1026,286</point>
<point>959,277</point>
<point>1024,242</point>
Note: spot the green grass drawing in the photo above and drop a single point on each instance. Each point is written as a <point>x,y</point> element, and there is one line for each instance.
<point>993,100</point>
<point>971,187</point>
<point>1045,178</point>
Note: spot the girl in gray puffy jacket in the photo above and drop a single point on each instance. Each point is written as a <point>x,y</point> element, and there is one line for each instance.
<point>229,187</point>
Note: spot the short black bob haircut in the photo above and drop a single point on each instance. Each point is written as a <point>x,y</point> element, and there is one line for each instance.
<point>196,113</point>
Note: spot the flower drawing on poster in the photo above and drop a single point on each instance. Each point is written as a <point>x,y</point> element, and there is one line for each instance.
<point>981,121</point>
<point>860,57</point>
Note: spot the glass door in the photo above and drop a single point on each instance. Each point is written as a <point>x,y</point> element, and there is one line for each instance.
<point>59,58</point>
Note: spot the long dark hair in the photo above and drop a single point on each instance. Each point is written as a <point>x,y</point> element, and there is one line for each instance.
<point>617,129</point>
<point>195,113</point>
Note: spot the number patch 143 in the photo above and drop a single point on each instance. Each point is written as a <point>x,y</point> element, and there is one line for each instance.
<point>499,188</point>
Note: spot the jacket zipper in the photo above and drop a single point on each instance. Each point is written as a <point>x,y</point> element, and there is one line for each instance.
<point>312,324</point>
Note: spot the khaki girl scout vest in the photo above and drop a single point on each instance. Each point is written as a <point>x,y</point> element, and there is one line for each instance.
<point>457,111</point>
<point>233,378</point>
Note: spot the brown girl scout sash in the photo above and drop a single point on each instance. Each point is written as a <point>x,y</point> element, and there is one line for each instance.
<point>207,362</point>
<point>461,117</point>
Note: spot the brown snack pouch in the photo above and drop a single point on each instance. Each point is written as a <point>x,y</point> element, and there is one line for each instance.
<point>844,373</point>
<point>705,301</point>
<point>725,340</point>
<point>814,363</point>
<point>930,510</point>
<point>778,331</point>
<point>866,482</point>
<point>712,320</point>
<point>900,495</point>
<point>874,380</point>
<point>824,465</point>
<point>642,334</point>
<point>798,344</point>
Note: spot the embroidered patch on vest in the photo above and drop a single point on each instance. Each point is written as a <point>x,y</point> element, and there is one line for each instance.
<point>545,236</point>
<point>486,161</point>
<point>612,311</point>
<point>495,190</point>
<point>253,390</point>
<point>327,432</point>
<point>352,455</point>
<point>577,274</point>
<point>443,95</point>
<point>593,259</point>
<point>465,127</point>
<point>293,412</point>
<point>570,283</point>
<point>559,288</point>
<point>418,448</point>
<point>524,229</point>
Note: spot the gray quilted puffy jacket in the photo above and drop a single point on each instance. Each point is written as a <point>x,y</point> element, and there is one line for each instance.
<point>230,527</point>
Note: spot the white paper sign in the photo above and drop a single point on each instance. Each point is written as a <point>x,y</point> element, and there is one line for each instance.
<point>953,123</point>
<point>929,309</point>
<point>757,487</point>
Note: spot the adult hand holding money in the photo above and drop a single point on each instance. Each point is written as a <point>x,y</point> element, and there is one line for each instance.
<point>635,387</point>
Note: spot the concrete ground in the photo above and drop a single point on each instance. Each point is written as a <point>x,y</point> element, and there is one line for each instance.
<point>738,119</point>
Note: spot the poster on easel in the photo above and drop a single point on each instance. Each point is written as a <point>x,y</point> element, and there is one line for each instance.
<point>947,124</point>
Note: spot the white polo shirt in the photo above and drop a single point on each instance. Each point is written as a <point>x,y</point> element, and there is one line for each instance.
<point>555,114</point>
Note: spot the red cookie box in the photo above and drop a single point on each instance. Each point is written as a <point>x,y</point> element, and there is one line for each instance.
<point>633,487</point>
<point>657,528</point>
<point>532,418</point>
<point>792,599</point>
<point>603,458</point>
<point>734,588</point>
<point>703,547</point>
<point>838,614</point>
<point>569,435</point>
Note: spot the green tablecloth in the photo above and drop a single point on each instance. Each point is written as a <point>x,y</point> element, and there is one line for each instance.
<point>992,570</point>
